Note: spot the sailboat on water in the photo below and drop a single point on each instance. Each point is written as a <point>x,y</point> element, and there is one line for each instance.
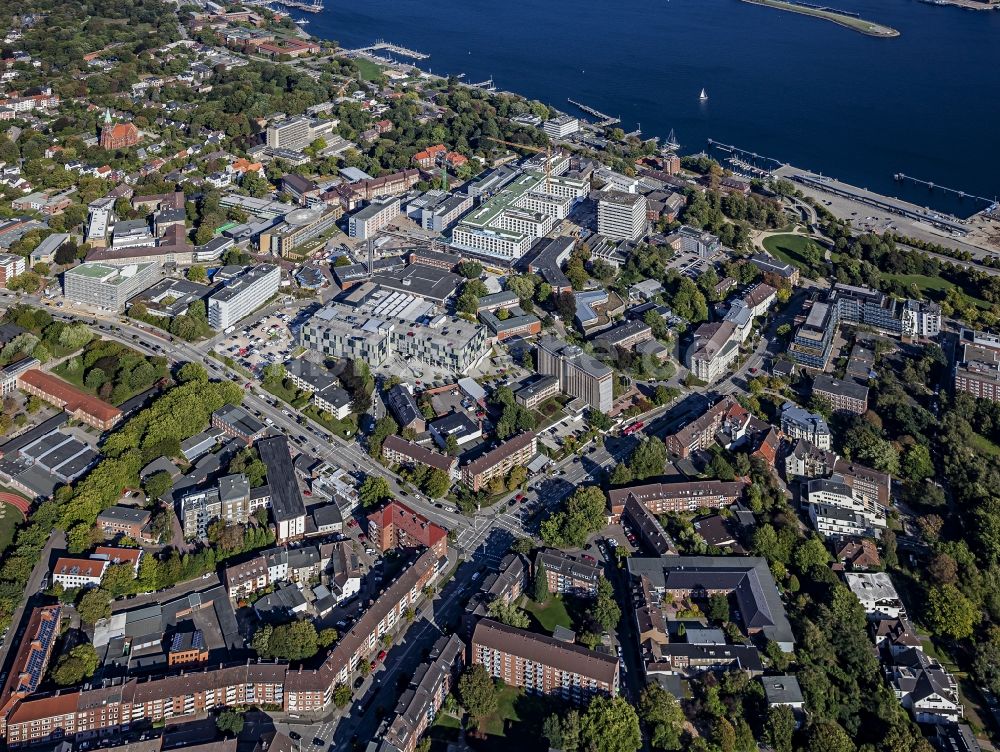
<point>671,143</point>
<point>703,96</point>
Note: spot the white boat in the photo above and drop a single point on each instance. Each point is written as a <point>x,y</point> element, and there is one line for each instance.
<point>703,96</point>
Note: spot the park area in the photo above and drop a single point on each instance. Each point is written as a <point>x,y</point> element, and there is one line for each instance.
<point>799,250</point>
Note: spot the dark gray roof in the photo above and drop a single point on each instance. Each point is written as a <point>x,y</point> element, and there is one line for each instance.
<point>402,405</point>
<point>747,577</point>
<point>241,421</point>
<point>286,501</point>
<point>781,690</point>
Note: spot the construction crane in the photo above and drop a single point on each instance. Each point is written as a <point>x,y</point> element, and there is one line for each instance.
<point>547,151</point>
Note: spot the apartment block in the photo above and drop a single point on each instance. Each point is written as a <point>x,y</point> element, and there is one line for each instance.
<point>397,526</point>
<point>714,349</point>
<point>798,423</point>
<point>231,500</point>
<point>566,575</point>
<point>684,496</point>
<point>977,365</point>
<point>847,396</point>
<point>243,295</point>
<point>421,701</point>
<point>499,461</point>
<point>579,374</point>
<point>542,664</point>
<point>399,451</point>
<point>86,714</point>
<point>836,509</point>
<point>11,266</point>
<point>727,414</point>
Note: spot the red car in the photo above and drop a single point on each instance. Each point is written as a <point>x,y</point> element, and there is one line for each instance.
<point>519,497</point>
<point>381,656</point>
<point>588,557</point>
<point>372,665</point>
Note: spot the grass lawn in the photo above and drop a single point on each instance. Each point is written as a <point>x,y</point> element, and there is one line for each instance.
<point>10,518</point>
<point>517,722</point>
<point>933,287</point>
<point>369,70</point>
<point>791,249</point>
<point>984,445</point>
<point>344,428</point>
<point>550,614</point>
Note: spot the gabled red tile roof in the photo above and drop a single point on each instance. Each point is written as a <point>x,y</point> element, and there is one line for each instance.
<point>73,398</point>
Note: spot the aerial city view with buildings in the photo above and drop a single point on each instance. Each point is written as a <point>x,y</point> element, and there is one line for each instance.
<point>346,406</point>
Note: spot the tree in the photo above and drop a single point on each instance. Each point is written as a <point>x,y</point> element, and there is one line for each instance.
<point>606,611</point>
<point>950,612</point>
<point>648,459</point>
<point>192,372</point>
<point>478,693</point>
<point>437,483</point>
<point>718,607</point>
<point>374,490</point>
<point>119,579</point>
<point>273,374</point>
<point>28,282</point>
<point>582,514</point>
<point>94,606</point>
<point>563,730</point>
<point>229,722</point>
<point>540,591</point>
<point>610,725</point>
<point>621,475</point>
<point>828,736</point>
<point>327,637</point>
<point>509,614</point>
<point>79,664</point>
<point>599,421</point>
<point>724,735</point>
<point>197,273</point>
<point>341,695</point>
<point>917,464</point>
<point>295,641</point>
<point>663,715</point>
<point>157,484</point>
<point>780,727</point>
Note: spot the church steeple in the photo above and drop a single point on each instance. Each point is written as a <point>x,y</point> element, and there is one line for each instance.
<point>107,116</point>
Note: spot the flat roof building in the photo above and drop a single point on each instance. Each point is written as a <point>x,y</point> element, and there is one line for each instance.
<point>107,287</point>
<point>579,374</point>
<point>242,295</point>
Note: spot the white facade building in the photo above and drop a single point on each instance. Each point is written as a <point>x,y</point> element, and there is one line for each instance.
<point>243,295</point>
<point>620,215</point>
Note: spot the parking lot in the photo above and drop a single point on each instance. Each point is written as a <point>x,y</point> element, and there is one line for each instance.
<point>260,344</point>
<point>689,264</point>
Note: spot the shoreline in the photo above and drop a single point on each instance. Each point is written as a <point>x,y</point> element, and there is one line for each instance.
<point>860,25</point>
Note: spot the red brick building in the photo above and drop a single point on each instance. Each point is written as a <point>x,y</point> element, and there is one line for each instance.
<point>119,136</point>
<point>398,526</point>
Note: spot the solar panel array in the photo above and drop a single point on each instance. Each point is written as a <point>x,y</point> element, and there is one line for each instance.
<point>31,675</point>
